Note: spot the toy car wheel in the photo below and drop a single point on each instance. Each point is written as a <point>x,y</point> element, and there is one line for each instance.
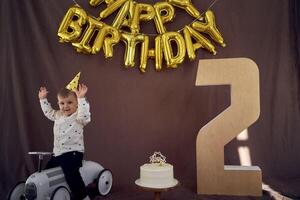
<point>105,181</point>
<point>17,192</point>
<point>61,193</point>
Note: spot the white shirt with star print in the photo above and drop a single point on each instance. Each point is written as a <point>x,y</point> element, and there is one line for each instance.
<point>68,130</point>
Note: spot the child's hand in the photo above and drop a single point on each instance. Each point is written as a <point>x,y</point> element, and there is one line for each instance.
<point>82,90</point>
<point>43,93</point>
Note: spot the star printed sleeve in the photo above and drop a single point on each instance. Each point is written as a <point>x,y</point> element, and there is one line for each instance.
<point>84,115</point>
<point>48,111</point>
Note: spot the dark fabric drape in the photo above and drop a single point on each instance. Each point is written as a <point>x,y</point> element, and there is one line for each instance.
<point>297,28</point>
<point>135,114</point>
<point>296,18</point>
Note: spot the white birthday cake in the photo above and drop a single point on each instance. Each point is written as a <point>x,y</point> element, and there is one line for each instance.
<point>157,173</point>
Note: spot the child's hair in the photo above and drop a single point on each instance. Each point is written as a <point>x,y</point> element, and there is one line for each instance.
<point>64,92</point>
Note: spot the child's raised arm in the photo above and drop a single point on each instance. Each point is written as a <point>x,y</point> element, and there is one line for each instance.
<point>84,115</point>
<point>43,93</point>
<point>48,111</point>
<point>82,90</point>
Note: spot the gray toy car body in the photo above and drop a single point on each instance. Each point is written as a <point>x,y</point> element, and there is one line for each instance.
<point>50,184</point>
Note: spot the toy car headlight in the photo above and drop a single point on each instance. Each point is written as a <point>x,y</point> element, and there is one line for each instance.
<point>30,191</point>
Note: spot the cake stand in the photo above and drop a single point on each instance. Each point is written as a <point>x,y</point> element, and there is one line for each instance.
<point>157,191</point>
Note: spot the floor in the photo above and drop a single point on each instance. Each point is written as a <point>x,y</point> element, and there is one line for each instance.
<point>272,190</point>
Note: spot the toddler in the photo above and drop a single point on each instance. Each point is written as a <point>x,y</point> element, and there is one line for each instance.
<point>69,120</point>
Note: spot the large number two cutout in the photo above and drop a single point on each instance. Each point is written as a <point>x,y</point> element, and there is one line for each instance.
<point>213,177</point>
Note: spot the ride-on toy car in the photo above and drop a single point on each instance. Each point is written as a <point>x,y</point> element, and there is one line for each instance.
<point>50,184</point>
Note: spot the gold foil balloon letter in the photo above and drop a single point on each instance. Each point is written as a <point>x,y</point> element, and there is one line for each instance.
<point>98,2</point>
<point>160,19</point>
<point>95,2</point>
<point>111,8</point>
<point>124,15</point>
<point>187,6</point>
<point>158,53</point>
<point>209,27</point>
<point>107,37</point>
<point>131,40</point>
<point>142,12</point>
<point>84,45</point>
<point>90,34</point>
<point>201,42</point>
<point>172,60</point>
<point>70,28</point>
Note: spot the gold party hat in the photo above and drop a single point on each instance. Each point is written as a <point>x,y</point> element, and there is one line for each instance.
<point>74,83</point>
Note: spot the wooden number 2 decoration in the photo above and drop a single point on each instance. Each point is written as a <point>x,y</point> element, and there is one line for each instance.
<point>213,177</point>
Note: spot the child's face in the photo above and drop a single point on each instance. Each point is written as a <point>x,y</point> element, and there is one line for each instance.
<point>67,105</point>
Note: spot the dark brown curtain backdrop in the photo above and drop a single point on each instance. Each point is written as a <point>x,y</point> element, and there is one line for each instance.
<point>296,17</point>
<point>135,114</point>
